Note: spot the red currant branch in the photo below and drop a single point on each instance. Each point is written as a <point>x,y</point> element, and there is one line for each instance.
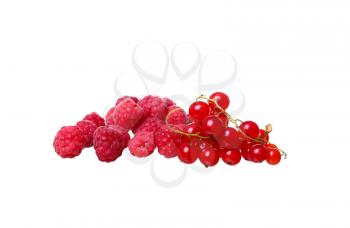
<point>268,127</point>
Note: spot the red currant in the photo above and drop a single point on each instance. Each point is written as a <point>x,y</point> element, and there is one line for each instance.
<point>212,125</point>
<point>270,146</point>
<point>230,156</point>
<point>230,139</point>
<point>224,118</point>
<point>209,156</point>
<point>199,110</point>
<point>185,154</point>
<point>191,128</point>
<point>198,144</point>
<point>262,135</point>
<point>257,153</point>
<point>221,99</point>
<point>273,155</point>
<point>245,149</point>
<point>250,128</point>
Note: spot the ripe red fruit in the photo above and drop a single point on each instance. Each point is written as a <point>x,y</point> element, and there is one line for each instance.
<point>221,99</point>
<point>165,140</point>
<point>224,119</point>
<point>142,144</point>
<point>95,118</point>
<point>69,142</point>
<point>127,114</point>
<point>198,110</point>
<point>176,115</point>
<point>153,106</point>
<point>209,156</point>
<point>229,139</point>
<point>273,156</point>
<point>250,128</point>
<point>191,128</point>
<point>186,154</point>
<point>212,125</point>
<point>245,149</point>
<point>270,145</point>
<point>87,128</point>
<point>262,135</point>
<point>257,153</point>
<point>108,143</point>
<point>230,156</point>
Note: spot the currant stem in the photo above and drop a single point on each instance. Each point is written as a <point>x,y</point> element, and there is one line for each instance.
<point>284,154</point>
<point>173,128</point>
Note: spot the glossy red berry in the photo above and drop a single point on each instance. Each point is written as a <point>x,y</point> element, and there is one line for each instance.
<point>221,99</point>
<point>250,128</point>
<point>198,144</point>
<point>229,139</point>
<point>224,119</point>
<point>199,110</point>
<point>270,145</point>
<point>212,125</point>
<point>273,155</point>
<point>257,153</point>
<point>262,135</point>
<point>209,156</point>
<point>186,154</point>
<point>245,146</point>
<point>191,128</point>
<point>230,156</point>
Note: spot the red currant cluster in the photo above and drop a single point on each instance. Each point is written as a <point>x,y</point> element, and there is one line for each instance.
<point>210,137</point>
<point>204,133</point>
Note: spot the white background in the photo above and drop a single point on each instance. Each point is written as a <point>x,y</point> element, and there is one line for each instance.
<point>59,60</point>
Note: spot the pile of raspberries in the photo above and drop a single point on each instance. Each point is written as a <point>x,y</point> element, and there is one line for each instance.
<point>145,118</point>
<point>157,122</point>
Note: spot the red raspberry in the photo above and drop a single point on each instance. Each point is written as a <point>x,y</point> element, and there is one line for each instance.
<point>142,144</point>
<point>69,142</point>
<point>127,114</point>
<point>121,99</point>
<point>108,143</point>
<point>95,118</point>
<point>176,115</point>
<point>87,128</point>
<point>125,139</point>
<point>168,102</point>
<point>150,124</point>
<point>109,115</point>
<point>166,140</point>
<point>153,107</point>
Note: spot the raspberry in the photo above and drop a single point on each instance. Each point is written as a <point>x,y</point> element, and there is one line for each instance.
<point>176,115</point>
<point>125,139</point>
<point>69,142</point>
<point>121,99</point>
<point>166,140</point>
<point>108,143</point>
<point>95,118</point>
<point>150,124</point>
<point>127,114</point>
<point>168,102</point>
<point>109,119</point>
<point>87,128</point>
<point>153,106</point>
<point>142,144</point>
